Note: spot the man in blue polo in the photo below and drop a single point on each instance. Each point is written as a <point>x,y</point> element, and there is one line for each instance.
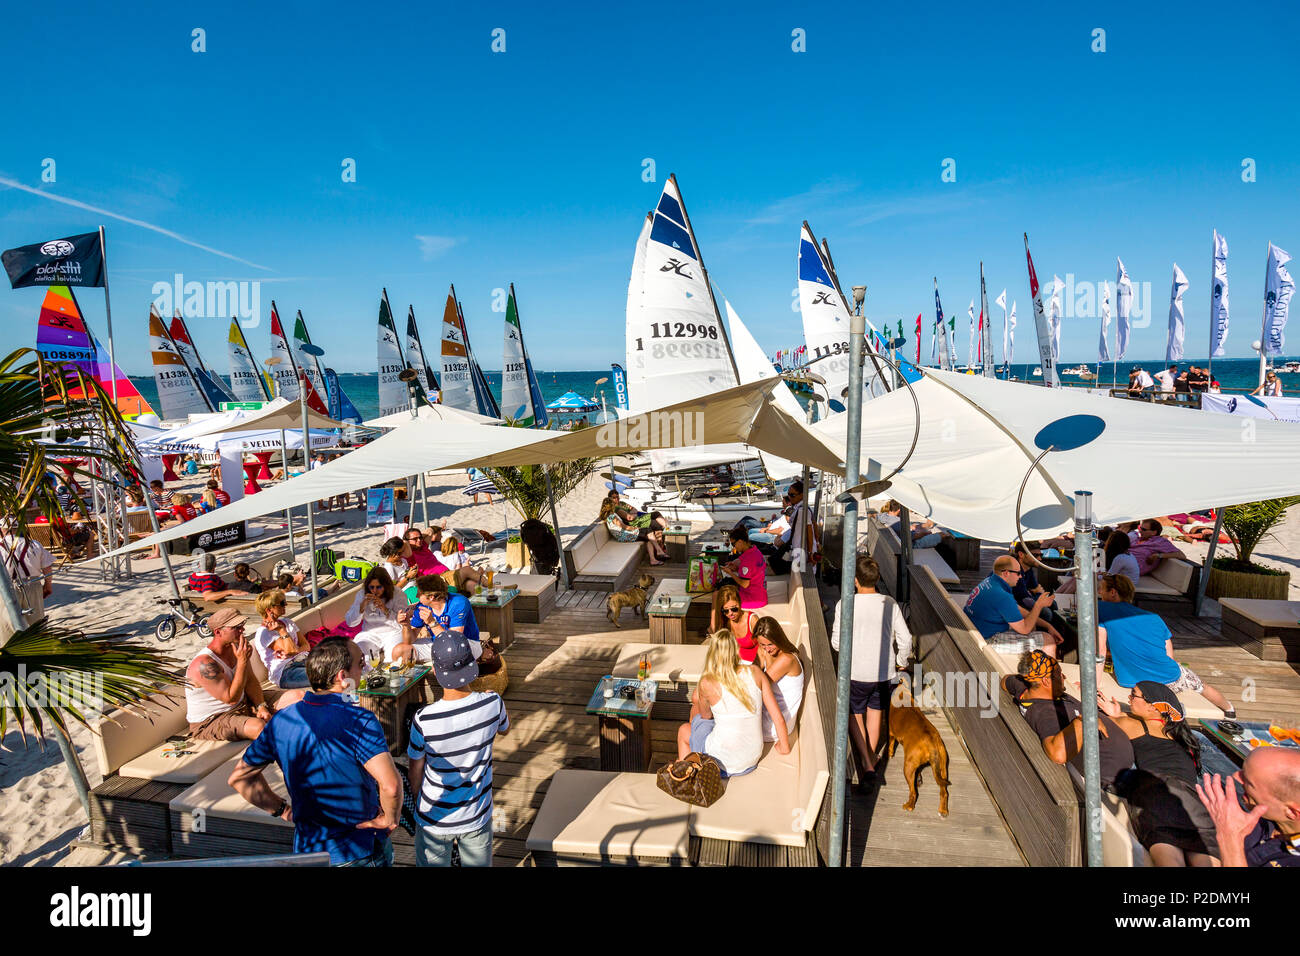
<point>345,796</point>
<point>1009,628</point>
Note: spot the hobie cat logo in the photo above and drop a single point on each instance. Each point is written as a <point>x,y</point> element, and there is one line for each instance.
<point>823,298</point>
<point>58,247</point>
<point>676,265</point>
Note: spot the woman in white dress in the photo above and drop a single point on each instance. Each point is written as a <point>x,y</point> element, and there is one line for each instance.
<point>726,721</point>
<point>463,573</point>
<point>375,609</point>
<point>780,662</point>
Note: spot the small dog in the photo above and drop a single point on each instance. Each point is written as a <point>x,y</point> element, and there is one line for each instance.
<point>634,597</point>
<point>921,745</point>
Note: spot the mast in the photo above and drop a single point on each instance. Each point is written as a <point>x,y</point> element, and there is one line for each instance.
<point>871,351</point>
<point>243,343</point>
<point>986,336</point>
<point>194,376</point>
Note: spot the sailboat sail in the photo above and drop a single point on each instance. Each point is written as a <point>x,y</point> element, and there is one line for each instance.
<point>487,403</point>
<point>415,357</point>
<point>178,388</point>
<point>213,388</point>
<point>876,378</point>
<point>521,396</point>
<point>246,379</point>
<point>392,390</point>
<point>285,371</point>
<point>753,365</point>
<point>62,335</point>
<point>1042,325</point>
<point>308,363</point>
<point>341,408</point>
<point>457,380</point>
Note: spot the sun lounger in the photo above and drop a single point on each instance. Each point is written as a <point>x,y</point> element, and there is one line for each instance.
<point>259,570</point>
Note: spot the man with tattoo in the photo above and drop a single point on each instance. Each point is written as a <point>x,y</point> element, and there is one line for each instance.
<point>223,698</point>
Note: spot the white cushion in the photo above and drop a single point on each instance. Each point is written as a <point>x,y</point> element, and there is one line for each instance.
<point>610,814</point>
<point>217,798</point>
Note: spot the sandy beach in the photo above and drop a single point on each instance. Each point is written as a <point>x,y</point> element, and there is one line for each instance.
<point>40,815</point>
<point>39,812</point>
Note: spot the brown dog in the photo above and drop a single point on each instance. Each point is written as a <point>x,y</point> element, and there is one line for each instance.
<point>634,597</point>
<point>921,745</point>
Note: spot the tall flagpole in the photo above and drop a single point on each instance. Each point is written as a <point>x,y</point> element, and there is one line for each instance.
<point>1263,322</point>
<point>108,315</point>
<point>1209,370</point>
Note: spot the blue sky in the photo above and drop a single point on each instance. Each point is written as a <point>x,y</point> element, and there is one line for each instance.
<point>526,166</point>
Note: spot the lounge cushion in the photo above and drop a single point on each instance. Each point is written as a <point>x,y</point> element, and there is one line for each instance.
<point>610,814</point>
<point>200,758</point>
<point>930,558</point>
<point>761,807</point>
<point>1265,613</point>
<point>613,559</point>
<point>527,584</point>
<point>217,798</point>
<point>123,734</point>
<point>680,663</point>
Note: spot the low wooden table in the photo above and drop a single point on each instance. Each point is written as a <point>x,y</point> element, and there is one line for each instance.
<point>496,617</point>
<point>677,538</point>
<point>624,727</point>
<point>666,615</point>
<point>966,553</point>
<point>1268,629</point>
<point>389,704</point>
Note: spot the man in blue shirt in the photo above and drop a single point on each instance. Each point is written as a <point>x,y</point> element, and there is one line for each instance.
<point>437,611</point>
<point>992,608</point>
<point>345,796</point>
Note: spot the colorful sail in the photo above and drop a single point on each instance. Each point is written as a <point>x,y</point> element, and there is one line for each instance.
<point>213,388</point>
<point>341,408</point>
<point>392,390</point>
<point>62,335</point>
<point>246,379</point>
<point>307,363</point>
<point>178,388</point>
<point>415,357</point>
<point>487,403</point>
<point>285,372</point>
<point>1042,324</point>
<point>457,379</point>
<point>521,397</point>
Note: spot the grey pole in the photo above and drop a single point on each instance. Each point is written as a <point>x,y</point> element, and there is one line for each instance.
<point>288,512</point>
<point>1087,581</point>
<point>555,520</point>
<point>848,560</point>
<point>162,548</point>
<point>1209,563</point>
<point>108,314</point>
<point>904,556</point>
<point>306,457</point>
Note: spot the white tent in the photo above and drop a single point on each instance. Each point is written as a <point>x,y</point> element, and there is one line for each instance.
<point>438,413</point>
<point>978,440</point>
<point>236,439</point>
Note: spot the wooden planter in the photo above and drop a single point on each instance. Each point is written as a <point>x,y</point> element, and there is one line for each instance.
<point>1242,584</point>
<point>518,556</point>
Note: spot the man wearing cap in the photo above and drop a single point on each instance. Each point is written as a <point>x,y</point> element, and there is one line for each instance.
<point>451,760</point>
<point>345,795</point>
<point>223,698</point>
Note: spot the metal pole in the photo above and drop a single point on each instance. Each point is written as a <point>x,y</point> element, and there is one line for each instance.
<point>848,561</point>
<point>1087,581</point>
<point>904,556</point>
<point>555,520</point>
<point>288,512</point>
<point>311,520</point>
<point>162,548</point>
<point>1209,563</point>
<point>108,314</point>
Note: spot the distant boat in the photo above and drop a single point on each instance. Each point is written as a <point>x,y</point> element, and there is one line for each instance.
<point>1038,372</point>
<point>1289,367</point>
<point>1082,371</point>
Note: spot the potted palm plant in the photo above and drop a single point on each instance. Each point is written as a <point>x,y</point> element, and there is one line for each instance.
<point>51,675</point>
<point>525,487</point>
<point>1239,576</point>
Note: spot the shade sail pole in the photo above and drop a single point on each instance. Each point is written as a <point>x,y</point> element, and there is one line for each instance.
<point>288,512</point>
<point>1087,581</point>
<point>311,520</point>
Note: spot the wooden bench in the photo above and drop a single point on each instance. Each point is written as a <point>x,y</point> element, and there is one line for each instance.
<point>766,817</point>
<point>259,570</point>
<point>884,546</point>
<point>537,595</point>
<point>1268,629</point>
<point>596,562</point>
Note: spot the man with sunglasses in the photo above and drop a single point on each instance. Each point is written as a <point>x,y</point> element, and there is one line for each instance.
<point>422,555</point>
<point>1007,626</point>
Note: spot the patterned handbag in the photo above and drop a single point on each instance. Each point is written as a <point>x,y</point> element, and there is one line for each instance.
<point>696,780</point>
<point>702,574</point>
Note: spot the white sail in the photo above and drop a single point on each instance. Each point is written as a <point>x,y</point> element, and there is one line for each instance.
<point>245,377</point>
<point>676,343</point>
<point>179,393</point>
<point>416,358</point>
<point>457,378</point>
<point>285,371</point>
<point>309,363</point>
<point>393,396</point>
<point>753,365</point>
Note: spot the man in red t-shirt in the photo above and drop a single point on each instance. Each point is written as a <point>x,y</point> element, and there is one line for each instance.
<point>222,498</point>
<point>209,583</point>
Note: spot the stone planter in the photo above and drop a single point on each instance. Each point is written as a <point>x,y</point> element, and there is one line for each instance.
<point>1242,584</point>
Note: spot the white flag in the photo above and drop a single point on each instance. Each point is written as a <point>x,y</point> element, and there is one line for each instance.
<point>1009,349</point>
<point>1103,350</point>
<point>1174,341</point>
<point>1219,297</point>
<point>970,361</point>
<point>1002,299</point>
<point>1054,316</point>
<point>1278,287</point>
<point>1123,303</point>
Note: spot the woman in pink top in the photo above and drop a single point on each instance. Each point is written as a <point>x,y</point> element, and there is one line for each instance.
<point>747,572</point>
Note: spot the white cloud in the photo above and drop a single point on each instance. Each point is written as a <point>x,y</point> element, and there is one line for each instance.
<point>433,246</point>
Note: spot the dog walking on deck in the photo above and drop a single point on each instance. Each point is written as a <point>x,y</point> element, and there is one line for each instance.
<point>633,597</point>
<point>921,745</point>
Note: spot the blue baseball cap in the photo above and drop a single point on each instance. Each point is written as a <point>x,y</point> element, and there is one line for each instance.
<point>453,660</point>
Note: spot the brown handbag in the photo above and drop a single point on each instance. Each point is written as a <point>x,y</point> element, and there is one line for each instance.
<point>696,780</point>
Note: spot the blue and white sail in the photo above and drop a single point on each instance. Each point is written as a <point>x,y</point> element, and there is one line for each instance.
<point>753,365</point>
<point>393,394</point>
<point>1278,288</point>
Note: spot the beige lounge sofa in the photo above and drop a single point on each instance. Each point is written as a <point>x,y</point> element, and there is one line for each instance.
<point>1172,578</point>
<point>624,818</point>
<point>596,562</point>
<point>926,557</point>
<point>259,570</point>
<point>537,595</point>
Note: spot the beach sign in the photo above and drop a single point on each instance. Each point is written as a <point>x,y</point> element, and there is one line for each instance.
<point>379,505</point>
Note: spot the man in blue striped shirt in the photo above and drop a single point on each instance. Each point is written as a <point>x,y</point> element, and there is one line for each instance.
<point>451,759</point>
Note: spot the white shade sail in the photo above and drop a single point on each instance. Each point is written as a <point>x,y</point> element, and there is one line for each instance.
<point>437,413</point>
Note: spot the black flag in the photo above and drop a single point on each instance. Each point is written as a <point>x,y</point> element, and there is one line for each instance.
<point>75,261</point>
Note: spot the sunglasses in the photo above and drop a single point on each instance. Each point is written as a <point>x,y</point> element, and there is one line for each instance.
<point>1014,571</point>
<point>731,610</point>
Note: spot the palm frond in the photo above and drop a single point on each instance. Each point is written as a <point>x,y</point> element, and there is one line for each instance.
<point>1248,524</point>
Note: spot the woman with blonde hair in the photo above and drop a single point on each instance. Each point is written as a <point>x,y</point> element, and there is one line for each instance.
<point>726,711</point>
<point>208,502</point>
<point>620,530</point>
<point>459,570</point>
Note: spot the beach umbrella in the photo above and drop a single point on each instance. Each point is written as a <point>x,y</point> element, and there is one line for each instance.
<point>573,402</point>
